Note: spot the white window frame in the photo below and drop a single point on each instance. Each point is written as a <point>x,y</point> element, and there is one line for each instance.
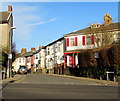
<point>72,41</point>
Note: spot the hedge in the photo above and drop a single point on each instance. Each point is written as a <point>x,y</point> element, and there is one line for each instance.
<point>109,60</point>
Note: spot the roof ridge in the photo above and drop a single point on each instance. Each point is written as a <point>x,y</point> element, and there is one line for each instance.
<point>5,11</point>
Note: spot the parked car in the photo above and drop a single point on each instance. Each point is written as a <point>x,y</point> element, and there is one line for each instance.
<point>22,70</point>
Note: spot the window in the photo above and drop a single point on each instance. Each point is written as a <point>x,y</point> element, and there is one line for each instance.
<point>20,60</point>
<point>39,61</point>
<point>52,49</point>
<point>39,54</point>
<point>55,47</point>
<point>48,51</point>
<point>58,46</point>
<point>23,59</point>
<point>58,58</point>
<point>72,41</point>
<point>36,56</point>
<point>88,40</point>
<point>55,59</point>
<point>28,59</point>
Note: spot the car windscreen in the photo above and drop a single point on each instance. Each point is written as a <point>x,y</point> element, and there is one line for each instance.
<point>22,67</point>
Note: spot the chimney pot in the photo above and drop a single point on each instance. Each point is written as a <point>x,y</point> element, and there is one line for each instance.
<point>107,19</point>
<point>23,50</point>
<point>10,8</point>
<point>40,47</point>
<point>33,49</point>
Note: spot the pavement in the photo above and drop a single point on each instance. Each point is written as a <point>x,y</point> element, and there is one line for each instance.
<point>103,82</point>
<point>16,77</point>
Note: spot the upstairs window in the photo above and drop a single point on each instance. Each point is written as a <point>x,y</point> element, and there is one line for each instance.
<point>58,46</point>
<point>48,51</point>
<point>72,41</point>
<point>20,60</point>
<point>28,59</point>
<point>88,40</point>
<point>55,47</point>
<point>55,59</point>
<point>52,49</point>
<point>36,56</point>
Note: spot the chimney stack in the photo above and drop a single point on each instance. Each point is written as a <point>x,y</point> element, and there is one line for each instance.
<point>10,8</point>
<point>33,49</point>
<point>107,19</point>
<point>23,50</point>
<point>40,47</point>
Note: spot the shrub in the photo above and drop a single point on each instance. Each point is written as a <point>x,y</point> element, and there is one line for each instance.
<point>109,60</point>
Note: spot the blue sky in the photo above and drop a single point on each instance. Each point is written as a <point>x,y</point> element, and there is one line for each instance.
<point>39,23</point>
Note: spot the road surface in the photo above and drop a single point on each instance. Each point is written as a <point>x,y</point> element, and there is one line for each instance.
<point>40,86</point>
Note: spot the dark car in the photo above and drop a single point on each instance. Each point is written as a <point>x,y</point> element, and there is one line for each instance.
<point>22,70</point>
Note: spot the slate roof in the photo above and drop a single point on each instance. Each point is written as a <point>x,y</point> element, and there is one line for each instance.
<point>102,28</point>
<point>24,54</point>
<point>54,42</point>
<point>4,16</point>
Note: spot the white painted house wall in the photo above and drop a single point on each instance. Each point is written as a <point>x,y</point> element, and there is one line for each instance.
<point>36,59</point>
<point>59,51</point>
<point>28,63</point>
<point>56,52</point>
<point>19,62</point>
<point>95,45</point>
<point>50,56</point>
<point>42,58</point>
<point>79,46</point>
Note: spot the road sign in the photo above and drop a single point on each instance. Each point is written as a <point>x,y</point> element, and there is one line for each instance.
<point>109,72</point>
<point>10,56</point>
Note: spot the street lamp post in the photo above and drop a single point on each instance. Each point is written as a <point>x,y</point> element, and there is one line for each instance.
<point>108,75</point>
<point>10,51</point>
<point>96,55</point>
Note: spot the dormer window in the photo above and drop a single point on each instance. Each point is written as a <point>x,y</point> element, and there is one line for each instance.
<point>95,26</point>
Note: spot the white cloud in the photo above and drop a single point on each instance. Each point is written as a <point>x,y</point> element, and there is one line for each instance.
<point>39,23</point>
<point>53,19</point>
<point>42,22</point>
<point>23,15</point>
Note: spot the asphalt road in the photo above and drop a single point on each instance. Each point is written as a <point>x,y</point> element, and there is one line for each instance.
<point>38,86</point>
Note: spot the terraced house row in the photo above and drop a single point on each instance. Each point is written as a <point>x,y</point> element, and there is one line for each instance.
<point>61,54</point>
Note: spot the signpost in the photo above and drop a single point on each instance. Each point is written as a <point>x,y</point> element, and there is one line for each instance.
<point>108,75</point>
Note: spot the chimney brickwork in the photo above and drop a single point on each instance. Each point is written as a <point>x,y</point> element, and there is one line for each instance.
<point>33,49</point>
<point>40,47</point>
<point>10,8</point>
<point>23,50</point>
<point>107,19</point>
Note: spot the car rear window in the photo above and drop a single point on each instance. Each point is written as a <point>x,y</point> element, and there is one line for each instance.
<point>22,67</point>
